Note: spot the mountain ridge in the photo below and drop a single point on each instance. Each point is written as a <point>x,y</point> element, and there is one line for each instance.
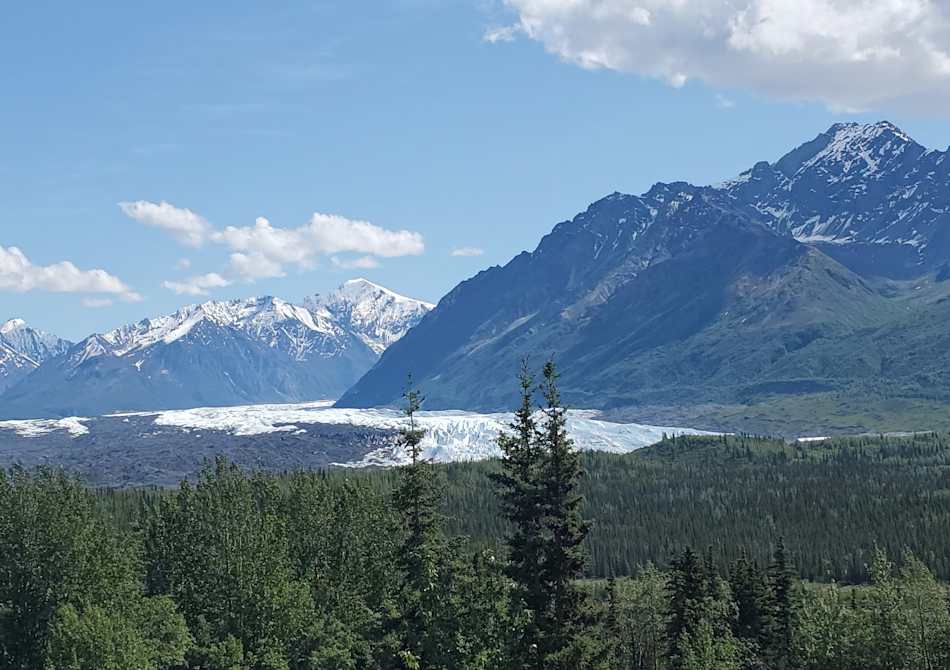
<point>261,349</point>
<point>642,301</point>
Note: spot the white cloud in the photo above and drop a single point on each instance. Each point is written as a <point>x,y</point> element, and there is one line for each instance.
<point>501,34</point>
<point>18,274</point>
<point>468,251</point>
<point>187,227</point>
<point>97,303</point>
<point>264,250</point>
<point>361,263</point>
<point>183,263</point>
<point>848,54</point>
<point>197,285</point>
<point>330,233</point>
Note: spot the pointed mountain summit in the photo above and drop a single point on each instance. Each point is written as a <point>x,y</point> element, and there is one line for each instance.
<point>852,150</point>
<point>375,314</point>
<point>23,349</point>
<point>867,194</point>
<point>221,353</point>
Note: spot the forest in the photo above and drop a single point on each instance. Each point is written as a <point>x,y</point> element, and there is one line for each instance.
<point>716,553</point>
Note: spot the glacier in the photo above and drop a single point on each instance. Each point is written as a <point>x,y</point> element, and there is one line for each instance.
<point>450,435</point>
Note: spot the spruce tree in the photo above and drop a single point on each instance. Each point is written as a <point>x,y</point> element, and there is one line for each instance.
<point>417,497</point>
<point>521,502</point>
<point>781,608</point>
<point>749,594</point>
<point>565,530</point>
<point>685,592</point>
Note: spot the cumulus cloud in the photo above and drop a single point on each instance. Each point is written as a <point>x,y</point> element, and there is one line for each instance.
<point>19,274</point>
<point>199,285</point>
<point>849,54</point>
<point>468,251</point>
<point>187,227</point>
<point>264,250</point>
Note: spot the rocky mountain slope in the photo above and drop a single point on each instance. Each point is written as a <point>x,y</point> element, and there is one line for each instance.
<point>23,349</point>
<point>808,279</point>
<point>220,353</point>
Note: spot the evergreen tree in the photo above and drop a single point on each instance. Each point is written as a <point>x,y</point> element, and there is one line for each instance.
<point>685,594</point>
<point>749,592</point>
<point>417,497</point>
<point>565,530</point>
<point>521,501</point>
<point>781,608</point>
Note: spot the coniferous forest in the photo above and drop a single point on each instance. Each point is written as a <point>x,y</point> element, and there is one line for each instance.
<point>713,553</point>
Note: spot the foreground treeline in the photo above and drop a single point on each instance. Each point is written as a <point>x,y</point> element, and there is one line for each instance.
<point>316,571</point>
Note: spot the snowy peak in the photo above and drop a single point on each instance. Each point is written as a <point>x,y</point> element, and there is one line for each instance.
<point>356,314</point>
<point>23,349</point>
<point>855,186</point>
<point>851,149</point>
<point>375,314</point>
<point>234,352</point>
<point>34,344</point>
<point>12,325</point>
<point>265,319</point>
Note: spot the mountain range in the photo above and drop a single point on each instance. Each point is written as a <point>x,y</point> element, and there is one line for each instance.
<point>216,353</point>
<point>806,294</point>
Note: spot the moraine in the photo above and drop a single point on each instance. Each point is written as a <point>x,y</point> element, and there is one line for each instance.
<point>163,447</point>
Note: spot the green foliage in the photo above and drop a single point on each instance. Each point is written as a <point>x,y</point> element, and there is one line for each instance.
<point>70,586</point>
<point>538,488</point>
<point>832,501</point>
<point>151,635</point>
<point>347,570</point>
<point>221,550</point>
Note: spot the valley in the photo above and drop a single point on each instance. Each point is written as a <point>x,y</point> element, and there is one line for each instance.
<point>163,448</point>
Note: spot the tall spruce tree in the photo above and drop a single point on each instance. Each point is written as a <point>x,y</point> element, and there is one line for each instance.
<point>749,594</point>
<point>564,531</point>
<point>685,589</point>
<point>417,497</point>
<point>781,608</point>
<point>520,494</point>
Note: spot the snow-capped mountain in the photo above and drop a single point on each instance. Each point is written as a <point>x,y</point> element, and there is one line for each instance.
<point>221,353</point>
<point>277,324</point>
<point>866,194</point>
<point>373,313</point>
<point>24,349</point>
<point>809,289</point>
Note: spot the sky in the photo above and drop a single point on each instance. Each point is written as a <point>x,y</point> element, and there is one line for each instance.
<point>154,155</point>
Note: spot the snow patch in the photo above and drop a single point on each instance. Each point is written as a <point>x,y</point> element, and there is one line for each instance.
<point>36,427</point>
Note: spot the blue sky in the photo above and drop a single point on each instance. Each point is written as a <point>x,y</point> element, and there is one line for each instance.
<point>400,114</point>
